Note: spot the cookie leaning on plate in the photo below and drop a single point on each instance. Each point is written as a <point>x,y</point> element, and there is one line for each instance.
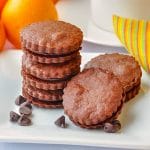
<point>93,97</point>
<point>125,67</point>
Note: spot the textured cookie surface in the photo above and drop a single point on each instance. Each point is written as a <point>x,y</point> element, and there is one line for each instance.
<point>41,103</point>
<point>52,37</point>
<point>42,84</point>
<point>43,94</point>
<point>47,71</point>
<point>99,125</point>
<point>50,59</point>
<point>123,66</point>
<point>133,92</point>
<point>92,97</point>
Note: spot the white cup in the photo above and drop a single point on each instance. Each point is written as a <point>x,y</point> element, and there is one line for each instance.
<point>103,10</point>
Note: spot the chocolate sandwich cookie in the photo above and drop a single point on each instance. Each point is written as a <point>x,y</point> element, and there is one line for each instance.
<point>44,85</point>
<point>125,67</point>
<point>48,71</point>
<point>50,59</point>
<point>93,97</point>
<point>133,92</point>
<point>41,103</point>
<point>51,37</point>
<point>44,95</point>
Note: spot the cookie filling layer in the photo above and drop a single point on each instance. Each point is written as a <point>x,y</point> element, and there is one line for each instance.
<point>58,102</point>
<point>58,91</point>
<point>133,92</point>
<point>51,55</point>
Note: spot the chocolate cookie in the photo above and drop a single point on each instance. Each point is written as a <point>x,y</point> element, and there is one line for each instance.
<point>133,92</point>
<point>41,103</point>
<point>125,67</point>
<point>93,97</point>
<point>48,59</point>
<point>45,85</point>
<point>51,37</point>
<point>44,95</point>
<point>48,71</point>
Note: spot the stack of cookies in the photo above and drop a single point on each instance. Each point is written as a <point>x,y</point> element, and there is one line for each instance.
<point>51,58</point>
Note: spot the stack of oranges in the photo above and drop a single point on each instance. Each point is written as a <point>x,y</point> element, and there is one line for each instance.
<point>16,14</point>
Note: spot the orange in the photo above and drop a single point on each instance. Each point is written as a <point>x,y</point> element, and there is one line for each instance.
<point>19,13</point>
<point>54,1</point>
<point>2,3</point>
<point>2,36</point>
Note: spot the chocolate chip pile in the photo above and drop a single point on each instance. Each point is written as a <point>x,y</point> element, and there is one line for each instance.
<point>25,111</point>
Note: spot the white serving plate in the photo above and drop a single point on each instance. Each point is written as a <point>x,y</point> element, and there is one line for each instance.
<point>135,132</point>
<point>78,12</point>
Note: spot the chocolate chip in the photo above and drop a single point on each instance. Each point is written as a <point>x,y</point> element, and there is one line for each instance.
<point>112,127</point>
<point>19,100</point>
<point>60,122</point>
<point>25,110</point>
<point>24,121</point>
<point>27,104</point>
<point>14,116</point>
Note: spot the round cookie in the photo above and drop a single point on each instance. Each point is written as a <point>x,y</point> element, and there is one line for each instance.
<point>48,72</point>
<point>51,37</point>
<point>48,59</point>
<point>93,97</point>
<point>133,92</point>
<point>125,67</point>
<point>41,103</point>
<point>43,94</point>
<point>45,85</point>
